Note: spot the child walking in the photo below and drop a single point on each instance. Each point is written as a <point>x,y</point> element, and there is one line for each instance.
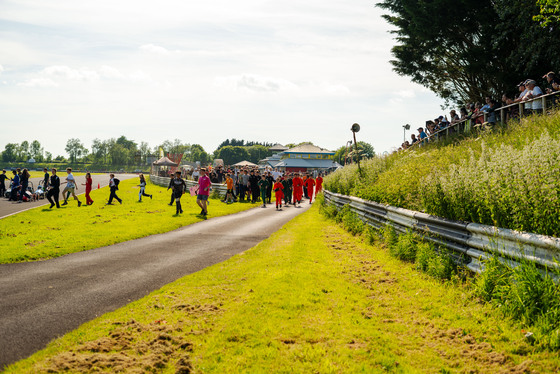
<point>278,192</point>
<point>142,186</point>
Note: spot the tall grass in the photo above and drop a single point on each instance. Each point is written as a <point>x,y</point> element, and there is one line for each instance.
<point>507,177</point>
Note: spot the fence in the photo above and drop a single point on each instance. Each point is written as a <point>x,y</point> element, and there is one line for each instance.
<point>505,113</point>
<point>164,182</point>
<point>469,243</point>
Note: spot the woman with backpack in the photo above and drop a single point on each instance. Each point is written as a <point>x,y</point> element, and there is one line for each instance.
<point>114,186</point>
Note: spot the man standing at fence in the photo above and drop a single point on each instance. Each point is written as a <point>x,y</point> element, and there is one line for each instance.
<point>203,192</point>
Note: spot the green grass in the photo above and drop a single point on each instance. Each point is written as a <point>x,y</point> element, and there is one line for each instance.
<point>509,177</point>
<point>42,233</point>
<point>312,298</point>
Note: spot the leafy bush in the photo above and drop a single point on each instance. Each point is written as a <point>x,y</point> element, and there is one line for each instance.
<point>405,247</point>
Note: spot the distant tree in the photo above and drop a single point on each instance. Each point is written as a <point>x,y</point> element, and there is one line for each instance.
<point>36,151</point>
<point>257,153</point>
<point>366,150</point>
<point>198,153</point>
<point>23,151</point>
<point>99,151</point>
<point>126,143</point>
<point>144,150</point>
<point>119,154</point>
<point>10,152</point>
<point>232,154</point>
<point>48,156</point>
<point>75,149</point>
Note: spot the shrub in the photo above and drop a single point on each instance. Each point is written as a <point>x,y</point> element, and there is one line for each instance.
<point>404,248</point>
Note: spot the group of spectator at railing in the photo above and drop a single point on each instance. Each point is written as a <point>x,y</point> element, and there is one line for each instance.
<point>531,100</point>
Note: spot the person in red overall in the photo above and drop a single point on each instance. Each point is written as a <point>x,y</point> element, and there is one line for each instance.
<point>88,184</point>
<point>278,188</point>
<point>318,184</point>
<point>297,184</point>
<point>310,184</point>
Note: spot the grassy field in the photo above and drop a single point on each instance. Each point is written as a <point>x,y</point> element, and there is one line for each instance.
<point>311,298</point>
<point>43,233</point>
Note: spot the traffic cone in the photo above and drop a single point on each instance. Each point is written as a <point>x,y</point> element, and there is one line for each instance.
<point>98,186</point>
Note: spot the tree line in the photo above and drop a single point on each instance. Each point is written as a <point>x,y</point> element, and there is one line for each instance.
<point>123,151</point>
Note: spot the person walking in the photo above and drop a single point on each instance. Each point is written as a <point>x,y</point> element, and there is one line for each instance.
<point>70,187</point>
<point>203,192</point>
<point>287,183</point>
<point>46,179</point>
<point>179,187</point>
<point>229,187</point>
<point>297,184</point>
<point>254,183</point>
<point>263,186</point>
<point>310,184</point>
<point>54,189</point>
<point>318,184</point>
<point>270,181</point>
<point>114,187</point>
<point>142,186</point>
<point>3,178</point>
<point>88,184</point>
<point>278,188</point>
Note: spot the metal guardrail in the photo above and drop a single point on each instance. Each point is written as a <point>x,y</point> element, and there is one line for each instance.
<point>469,243</point>
<point>164,182</point>
<point>465,126</point>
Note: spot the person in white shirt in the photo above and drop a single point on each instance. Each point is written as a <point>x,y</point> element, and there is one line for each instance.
<point>70,187</point>
<point>534,91</point>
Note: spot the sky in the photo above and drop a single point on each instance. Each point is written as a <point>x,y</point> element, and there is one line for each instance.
<point>202,72</point>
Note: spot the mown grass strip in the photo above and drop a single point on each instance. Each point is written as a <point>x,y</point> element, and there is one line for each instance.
<point>44,233</point>
<point>311,298</point>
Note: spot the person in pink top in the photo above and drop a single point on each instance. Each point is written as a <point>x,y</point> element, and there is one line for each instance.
<point>203,191</point>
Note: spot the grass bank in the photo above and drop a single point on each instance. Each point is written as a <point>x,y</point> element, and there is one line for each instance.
<point>44,233</point>
<point>311,298</point>
<point>507,177</point>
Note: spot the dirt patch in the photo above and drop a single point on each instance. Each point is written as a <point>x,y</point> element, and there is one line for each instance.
<point>34,243</point>
<point>196,309</point>
<point>132,347</point>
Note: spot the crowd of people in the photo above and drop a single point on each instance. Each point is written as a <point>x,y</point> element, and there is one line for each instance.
<point>528,90</point>
<point>242,184</point>
<point>248,184</point>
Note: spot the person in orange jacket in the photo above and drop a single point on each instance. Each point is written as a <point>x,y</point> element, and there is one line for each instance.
<point>297,184</point>
<point>318,184</point>
<point>278,189</point>
<point>310,184</point>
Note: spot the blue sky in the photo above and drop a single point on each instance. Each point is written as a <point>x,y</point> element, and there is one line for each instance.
<point>269,71</point>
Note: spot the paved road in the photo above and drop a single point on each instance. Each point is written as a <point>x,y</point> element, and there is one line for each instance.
<point>40,301</point>
<point>8,208</point>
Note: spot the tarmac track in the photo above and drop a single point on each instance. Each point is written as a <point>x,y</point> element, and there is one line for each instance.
<point>40,301</point>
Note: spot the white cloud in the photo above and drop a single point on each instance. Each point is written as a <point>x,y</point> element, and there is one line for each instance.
<point>254,83</point>
<point>39,82</point>
<point>155,49</point>
<point>1,69</point>
<point>68,73</point>
<point>406,94</point>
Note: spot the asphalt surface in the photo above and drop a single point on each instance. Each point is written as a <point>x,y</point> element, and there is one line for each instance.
<point>40,301</point>
<point>8,208</point>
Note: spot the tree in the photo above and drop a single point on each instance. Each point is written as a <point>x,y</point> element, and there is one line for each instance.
<point>144,150</point>
<point>467,49</point>
<point>36,151</point>
<point>257,153</point>
<point>48,156</point>
<point>549,12</point>
<point>99,151</point>
<point>10,152</point>
<point>199,154</point>
<point>23,151</point>
<point>128,144</point>
<point>232,154</point>
<point>75,149</point>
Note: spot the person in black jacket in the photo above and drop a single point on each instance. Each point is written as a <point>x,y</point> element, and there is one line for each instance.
<point>179,187</point>
<point>3,178</point>
<point>114,186</point>
<point>54,189</point>
<point>270,179</point>
<point>254,184</point>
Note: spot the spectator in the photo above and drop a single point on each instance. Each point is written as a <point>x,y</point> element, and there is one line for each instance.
<point>15,186</point>
<point>553,82</point>
<point>3,178</point>
<point>422,135</point>
<point>453,117</point>
<point>513,110</point>
<point>491,111</point>
<point>413,138</point>
<point>533,91</point>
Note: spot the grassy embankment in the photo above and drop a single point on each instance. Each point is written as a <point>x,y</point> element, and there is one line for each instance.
<point>311,298</point>
<point>43,233</point>
<point>507,178</point>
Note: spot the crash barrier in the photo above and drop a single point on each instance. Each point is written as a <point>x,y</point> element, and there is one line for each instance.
<point>164,182</point>
<point>469,243</point>
<point>503,115</point>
